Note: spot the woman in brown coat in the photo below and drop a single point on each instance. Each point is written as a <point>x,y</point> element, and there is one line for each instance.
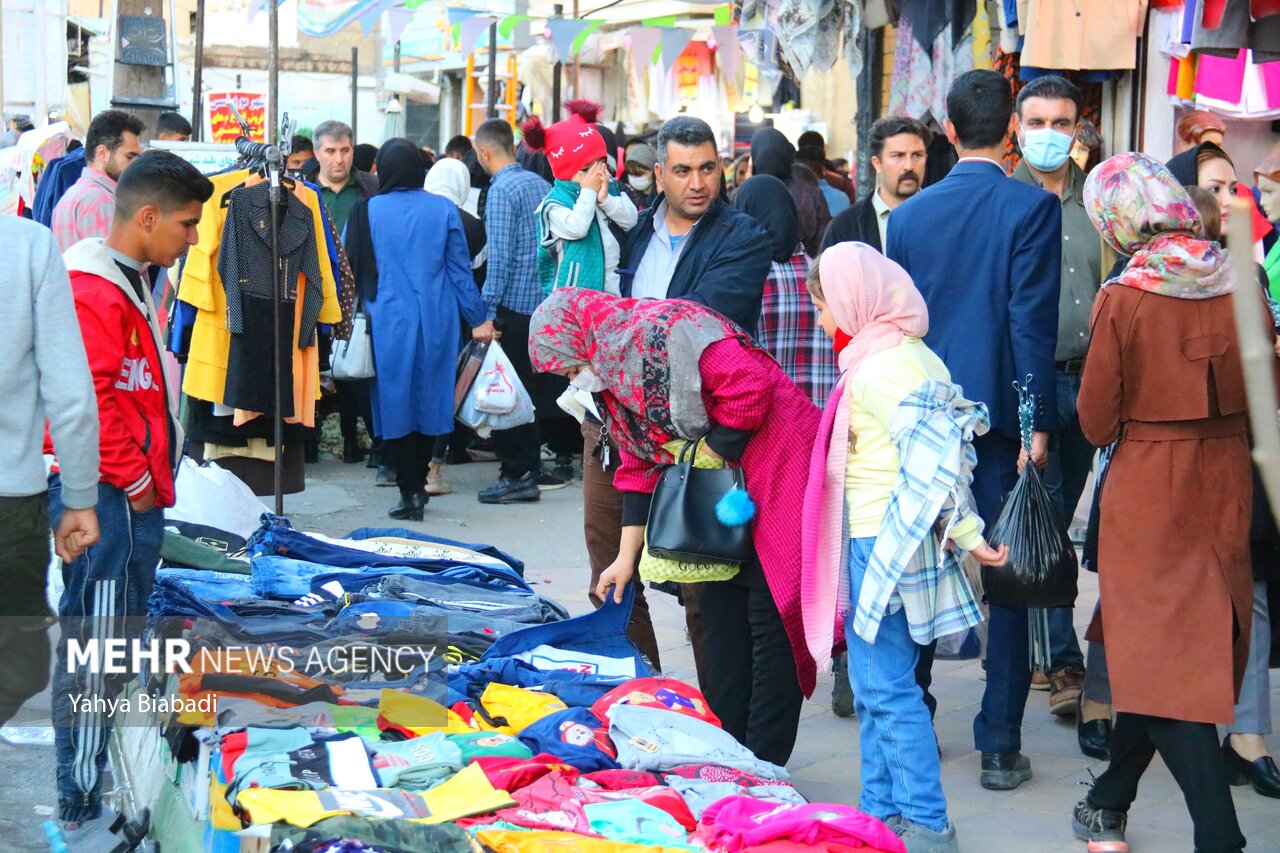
<point>1163,379</point>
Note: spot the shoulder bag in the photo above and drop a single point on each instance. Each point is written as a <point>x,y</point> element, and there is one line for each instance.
<point>683,524</point>
<point>353,358</point>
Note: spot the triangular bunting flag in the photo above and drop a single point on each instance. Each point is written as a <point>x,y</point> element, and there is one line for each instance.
<point>508,25</point>
<point>457,16</point>
<point>724,15</point>
<point>643,43</point>
<point>564,32</point>
<point>397,19</point>
<point>471,30</point>
<point>370,16</point>
<point>728,52</point>
<point>581,40</point>
<point>674,41</point>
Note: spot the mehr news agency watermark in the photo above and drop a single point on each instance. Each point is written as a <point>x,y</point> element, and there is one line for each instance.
<point>121,657</point>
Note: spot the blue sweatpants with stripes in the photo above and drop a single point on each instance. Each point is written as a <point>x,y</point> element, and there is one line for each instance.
<point>105,598</point>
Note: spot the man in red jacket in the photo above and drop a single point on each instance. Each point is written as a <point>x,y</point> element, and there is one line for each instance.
<point>158,204</point>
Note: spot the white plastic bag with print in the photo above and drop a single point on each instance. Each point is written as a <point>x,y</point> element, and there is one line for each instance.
<point>496,383</point>
<point>495,386</point>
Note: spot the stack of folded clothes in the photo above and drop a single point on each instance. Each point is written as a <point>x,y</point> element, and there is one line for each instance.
<point>393,691</point>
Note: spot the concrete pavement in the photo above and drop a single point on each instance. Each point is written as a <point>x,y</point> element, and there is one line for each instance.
<point>548,537</point>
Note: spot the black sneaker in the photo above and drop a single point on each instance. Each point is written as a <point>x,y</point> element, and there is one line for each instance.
<point>1004,771</point>
<point>564,468</point>
<point>551,482</point>
<point>1102,828</point>
<point>507,491</point>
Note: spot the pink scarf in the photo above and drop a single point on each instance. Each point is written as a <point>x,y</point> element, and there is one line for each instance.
<point>874,301</point>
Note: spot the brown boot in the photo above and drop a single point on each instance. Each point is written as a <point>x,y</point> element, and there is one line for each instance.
<point>436,484</point>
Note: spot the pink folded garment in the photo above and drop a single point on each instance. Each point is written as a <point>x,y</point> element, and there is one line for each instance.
<point>736,823</point>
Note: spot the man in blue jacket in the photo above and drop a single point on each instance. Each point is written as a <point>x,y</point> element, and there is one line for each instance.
<point>985,251</point>
<point>692,244</point>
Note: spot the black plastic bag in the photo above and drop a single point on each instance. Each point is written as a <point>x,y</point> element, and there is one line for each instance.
<point>1042,567</point>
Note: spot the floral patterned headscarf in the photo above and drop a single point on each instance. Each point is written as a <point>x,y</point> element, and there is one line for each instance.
<point>1142,211</point>
<point>645,351</point>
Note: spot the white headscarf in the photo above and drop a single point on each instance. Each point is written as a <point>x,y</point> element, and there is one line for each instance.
<point>449,178</point>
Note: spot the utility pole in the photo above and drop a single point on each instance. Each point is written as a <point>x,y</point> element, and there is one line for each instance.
<point>492,111</point>
<point>197,93</point>
<point>556,74</point>
<point>355,89</point>
<point>273,82</point>
<point>139,89</point>
<point>577,65</point>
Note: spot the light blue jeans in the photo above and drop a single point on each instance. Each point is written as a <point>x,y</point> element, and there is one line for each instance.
<point>901,772</point>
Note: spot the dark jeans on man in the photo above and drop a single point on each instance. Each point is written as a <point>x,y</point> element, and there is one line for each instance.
<point>998,726</point>
<point>602,526</point>
<point>105,597</point>
<point>1190,751</point>
<point>24,611</point>
<point>1070,458</point>
<point>518,449</point>
<point>751,673</point>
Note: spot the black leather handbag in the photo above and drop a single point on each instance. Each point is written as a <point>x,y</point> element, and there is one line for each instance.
<point>682,518</point>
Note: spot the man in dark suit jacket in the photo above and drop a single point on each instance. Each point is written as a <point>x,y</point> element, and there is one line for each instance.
<point>898,154</point>
<point>691,244</point>
<point>985,250</point>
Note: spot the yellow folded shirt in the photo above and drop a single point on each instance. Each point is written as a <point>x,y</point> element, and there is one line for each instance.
<point>515,841</point>
<point>513,709</point>
<point>417,715</point>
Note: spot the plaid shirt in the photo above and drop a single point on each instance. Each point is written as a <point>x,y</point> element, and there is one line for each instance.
<point>86,210</point>
<point>933,429</point>
<point>510,223</point>
<point>789,331</point>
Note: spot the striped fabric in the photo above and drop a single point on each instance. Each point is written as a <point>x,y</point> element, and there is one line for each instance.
<point>789,331</point>
<point>933,429</point>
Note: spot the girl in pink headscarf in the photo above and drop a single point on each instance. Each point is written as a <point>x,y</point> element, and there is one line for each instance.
<point>892,466</point>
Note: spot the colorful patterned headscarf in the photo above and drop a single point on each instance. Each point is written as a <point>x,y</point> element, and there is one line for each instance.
<point>1143,212</point>
<point>645,351</point>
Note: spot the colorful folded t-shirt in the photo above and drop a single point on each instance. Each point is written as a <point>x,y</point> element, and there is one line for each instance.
<point>637,823</point>
<point>576,736</point>
<point>668,694</point>
<point>467,793</point>
<point>416,764</point>
<point>488,745</point>
<point>657,740</point>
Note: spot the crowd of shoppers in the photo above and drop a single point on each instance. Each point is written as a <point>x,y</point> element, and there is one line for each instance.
<point>856,359</point>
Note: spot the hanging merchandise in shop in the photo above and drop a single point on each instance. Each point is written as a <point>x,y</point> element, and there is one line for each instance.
<point>1225,57</point>
<point>800,34</point>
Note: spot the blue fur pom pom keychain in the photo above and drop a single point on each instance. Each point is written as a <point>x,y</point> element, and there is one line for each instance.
<point>736,508</point>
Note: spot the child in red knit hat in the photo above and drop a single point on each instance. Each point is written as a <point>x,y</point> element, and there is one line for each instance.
<point>576,245</point>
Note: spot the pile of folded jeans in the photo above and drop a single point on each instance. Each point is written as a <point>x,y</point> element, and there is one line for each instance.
<point>394,691</point>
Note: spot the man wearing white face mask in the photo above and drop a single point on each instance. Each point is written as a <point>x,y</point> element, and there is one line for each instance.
<point>1048,111</point>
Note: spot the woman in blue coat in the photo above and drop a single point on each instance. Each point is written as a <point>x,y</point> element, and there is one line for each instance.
<point>413,276</point>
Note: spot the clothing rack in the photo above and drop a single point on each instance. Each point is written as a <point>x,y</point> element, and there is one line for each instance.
<point>271,158</point>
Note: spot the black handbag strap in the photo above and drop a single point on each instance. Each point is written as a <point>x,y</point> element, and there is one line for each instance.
<point>690,452</point>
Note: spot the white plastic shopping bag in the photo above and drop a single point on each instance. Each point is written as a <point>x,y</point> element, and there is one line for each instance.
<point>495,387</point>
<point>212,496</point>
